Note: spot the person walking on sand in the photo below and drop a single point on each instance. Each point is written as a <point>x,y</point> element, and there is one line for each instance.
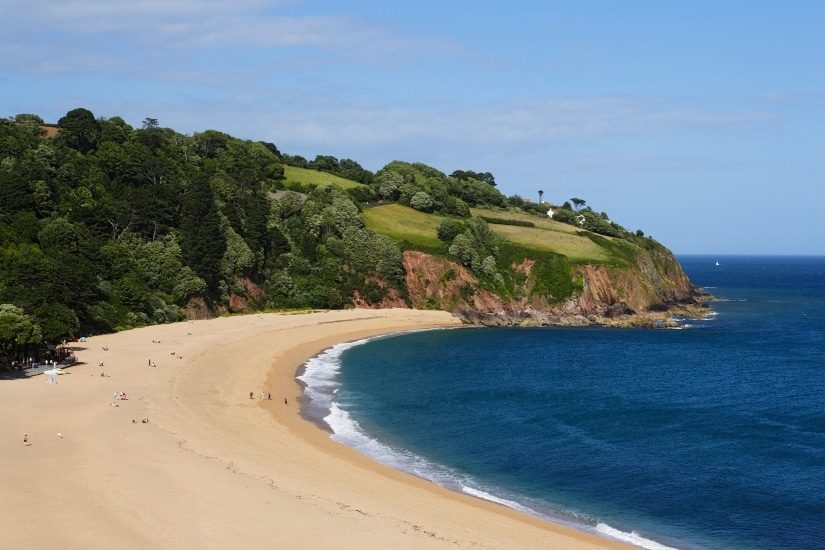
<point>268,396</point>
<point>26,440</point>
<point>286,402</point>
<point>251,396</point>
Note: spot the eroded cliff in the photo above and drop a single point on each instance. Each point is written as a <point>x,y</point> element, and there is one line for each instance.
<point>647,291</point>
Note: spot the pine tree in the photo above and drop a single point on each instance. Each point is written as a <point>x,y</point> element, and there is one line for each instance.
<point>202,241</point>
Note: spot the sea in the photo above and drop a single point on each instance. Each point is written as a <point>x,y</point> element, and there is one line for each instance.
<point>708,436</point>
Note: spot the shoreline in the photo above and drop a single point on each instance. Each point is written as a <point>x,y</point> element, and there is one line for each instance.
<point>398,457</point>
<point>346,452</point>
<point>212,468</point>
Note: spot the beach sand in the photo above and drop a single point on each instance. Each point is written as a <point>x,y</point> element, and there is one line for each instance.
<point>213,468</point>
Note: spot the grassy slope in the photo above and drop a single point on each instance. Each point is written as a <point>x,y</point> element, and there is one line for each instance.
<point>404,224</point>
<point>407,225</point>
<point>293,174</point>
<point>543,223</point>
<point>547,236</point>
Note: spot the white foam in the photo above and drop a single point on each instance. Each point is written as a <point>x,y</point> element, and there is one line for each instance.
<point>498,500</point>
<point>346,430</point>
<point>321,373</point>
<point>321,376</point>
<point>633,537</point>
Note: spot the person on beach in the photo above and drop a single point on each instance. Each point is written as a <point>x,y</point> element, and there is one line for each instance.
<point>26,440</point>
<point>286,402</point>
<point>251,395</point>
<point>268,396</point>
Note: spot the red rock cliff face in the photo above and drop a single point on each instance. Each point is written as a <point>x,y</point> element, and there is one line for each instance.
<point>654,281</point>
<point>434,282</point>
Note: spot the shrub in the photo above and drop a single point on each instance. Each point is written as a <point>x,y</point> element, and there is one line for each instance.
<point>505,221</point>
<point>456,207</point>
<point>448,229</point>
<point>422,201</point>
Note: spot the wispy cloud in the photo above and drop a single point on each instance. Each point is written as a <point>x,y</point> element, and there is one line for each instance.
<point>508,125</point>
<point>559,134</point>
<point>54,36</point>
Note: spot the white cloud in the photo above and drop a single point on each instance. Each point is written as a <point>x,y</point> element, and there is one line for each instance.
<point>156,30</point>
<point>503,125</point>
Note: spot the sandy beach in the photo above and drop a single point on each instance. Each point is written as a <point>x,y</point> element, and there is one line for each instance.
<point>213,468</point>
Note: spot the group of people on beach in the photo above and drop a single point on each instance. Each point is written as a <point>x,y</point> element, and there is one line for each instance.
<point>267,396</point>
<point>122,396</point>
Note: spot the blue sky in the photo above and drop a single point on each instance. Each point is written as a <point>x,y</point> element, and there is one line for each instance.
<point>701,122</point>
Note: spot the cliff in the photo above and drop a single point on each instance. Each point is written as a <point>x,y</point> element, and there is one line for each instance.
<point>648,291</point>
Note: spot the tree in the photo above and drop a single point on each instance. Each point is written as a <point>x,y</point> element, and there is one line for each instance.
<point>448,230</point>
<point>15,192</point>
<point>60,235</point>
<point>114,129</point>
<point>16,330</point>
<point>422,201</point>
<point>389,184</point>
<point>578,203</point>
<point>464,175</point>
<point>32,123</point>
<point>202,241</point>
<point>79,130</point>
<point>462,248</point>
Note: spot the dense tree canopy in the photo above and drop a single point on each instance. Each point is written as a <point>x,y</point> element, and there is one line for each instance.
<point>109,226</point>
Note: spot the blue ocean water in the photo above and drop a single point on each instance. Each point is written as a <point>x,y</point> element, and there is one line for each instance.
<point>707,437</point>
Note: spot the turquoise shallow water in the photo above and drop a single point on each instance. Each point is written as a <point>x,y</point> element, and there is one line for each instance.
<point>712,436</point>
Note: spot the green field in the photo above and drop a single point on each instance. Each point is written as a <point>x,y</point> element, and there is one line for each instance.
<point>402,223</point>
<point>405,224</point>
<point>548,236</point>
<point>541,223</point>
<point>293,174</point>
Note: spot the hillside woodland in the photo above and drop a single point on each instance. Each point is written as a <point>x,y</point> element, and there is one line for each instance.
<point>107,227</point>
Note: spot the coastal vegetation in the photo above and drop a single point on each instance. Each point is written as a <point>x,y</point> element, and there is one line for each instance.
<point>104,226</point>
<point>305,178</point>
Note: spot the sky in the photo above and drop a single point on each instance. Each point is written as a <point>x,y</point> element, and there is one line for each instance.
<point>701,122</point>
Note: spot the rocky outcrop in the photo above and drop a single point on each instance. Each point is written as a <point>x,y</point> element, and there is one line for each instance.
<point>649,285</point>
<point>646,292</point>
<point>434,282</point>
<point>391,297</point>
<point>196,308</point>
